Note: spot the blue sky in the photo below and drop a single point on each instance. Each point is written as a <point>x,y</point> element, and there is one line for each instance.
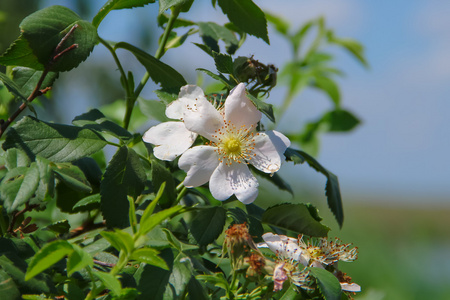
<point>400,152</point>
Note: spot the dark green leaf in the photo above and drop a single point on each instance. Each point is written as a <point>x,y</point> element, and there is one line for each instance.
<point>263,107</point>
<point>179,22</point>
<point>328,284</point>
<point>117,4</point>
<point>340,120</point>
<point>294,156</point>
<point>16,158</point>
<point>277,181</point>
<point>72,176</point>
<point>27,79</point>
<point>211,33</point>
<point>91,170</point>
<point>167,95</point>
<point>12,86</point>
<point>196,291</point>
<point>51,24</point>
<point>224,63</point>
<point>158,71</point>
<point>60,227</point>
<point>292,293</point>
<point>160,175</point>
<point>220,78</point>
<point>49,255</point>
<point>332,189</point>
<point>34,285</point>
<point>18,186</point>
<point>56,142</point>
<point>110,282</point>
<point>295,217</point>
<point>246,16</point>
<point>67,197</point>
<point>181,273</point>
<point>153,109</point>
<point>208,224</point>
<point>97,121</point>
<point>124,176</point>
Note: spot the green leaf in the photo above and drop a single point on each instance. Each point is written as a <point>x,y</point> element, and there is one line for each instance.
<point>86,204</point>
<point>60,227</point>
<point>110,282</point>
<point>217,280</point>
<point>120,240</point>
<point>181,273</point>
<point>46,187</point>
<point>34,285</point>
<point>97,121</point>
<point>220,78</point>
<point>146,215</point>
<point>332,189</point>
<point>246,16</point>
<point>8,289</point>
<point>16,158</point>
<point>72,176</point>
<point>208,224</point>
<point>329,86</point>
<point>156,219</point>
<point>279,23</point>
<point>166,4</point>
<point>161,175</point>
<point>263,107</point>
<point>196,291</point>
<point>124,176</point>
<point>78,260</point>
<point>159,72</point>
<point>340,120</point>
<point>211,33</point>
<point>149,256</point>
<point>294,156</point>
<point>295,217</point>
<point>224,63</point>
<point>153,109</point>
<point>18,186</point>
<point>278,181</point>
<point>12,87</point>
<point>328,284</point>
<point>27,79</point>
<point>49,255</point>
<point>355,48</point>
<point>51,24</point>
<point>117,4</point>
<point>292,294</point>
<point>56,142</point>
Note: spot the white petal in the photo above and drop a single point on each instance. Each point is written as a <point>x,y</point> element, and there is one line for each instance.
<point>199,163</point>
<point>188,96</point>
<point>170,138</point>
<point>239,109</point>
<point>350,287</point>
<point>269,150</point>
<point>284,246</point>
<point>235,179</point>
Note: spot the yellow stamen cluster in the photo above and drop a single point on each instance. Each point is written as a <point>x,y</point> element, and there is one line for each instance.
<point>234,144</point>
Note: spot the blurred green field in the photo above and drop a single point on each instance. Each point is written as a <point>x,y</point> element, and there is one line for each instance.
<point>403,250</point>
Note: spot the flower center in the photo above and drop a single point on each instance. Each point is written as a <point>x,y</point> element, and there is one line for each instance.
<point>234,144</point>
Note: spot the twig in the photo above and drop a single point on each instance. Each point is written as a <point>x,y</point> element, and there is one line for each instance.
<point>37,92</point>
<point>28,207</point>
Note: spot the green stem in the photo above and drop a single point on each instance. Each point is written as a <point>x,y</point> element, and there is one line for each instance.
<point>95,290</point>
<point>180,195</point>
<point>159,53</point>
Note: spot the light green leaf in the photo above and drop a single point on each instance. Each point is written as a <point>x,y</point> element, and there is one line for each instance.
<point>16,158</point>
<point>49,255</point>
<point>124,176</point>
<point>295,217</point>
<point>120,240</point>
<point>153,109</point>
<point>110,282</point>
<point>157,218</point>
<point>328,284</point>
<point>149,256</point>
<point>117,4</point>
<point>18,186</point>
<point>72,176</point>
<point>329,86</point>
<point>78,260</point>
<point>88,202</point>
<point>12,87</point>
<point>208,224</point>
<point>159,72</point>
<point>246,16</point>
<point>46,187</point>
<point>292,293</point>
<point>280,24</point>
<point>56,142</point>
